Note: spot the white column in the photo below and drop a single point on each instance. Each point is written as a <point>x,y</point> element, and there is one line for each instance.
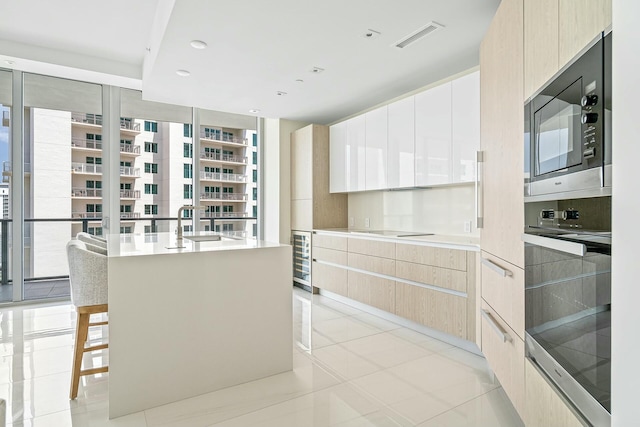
<point>111,159</point>
<point>17,185</point>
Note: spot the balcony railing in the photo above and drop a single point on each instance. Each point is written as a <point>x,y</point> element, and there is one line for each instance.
<point>217,176</point>
<point>130,148</point>
<point>91,215</point>
<point>86,192</point>
<point>217,136</point>
<point>223,157</point>
<point>234,215</point>
<point>129,194</point>
<point>91,119</point>
<point>223,196</point>
<point>128,215</point>
<point>86,168</point>
<point>129,125</point>
<point>129,171</point>
<point>7,169</point>
<point>86,143</point>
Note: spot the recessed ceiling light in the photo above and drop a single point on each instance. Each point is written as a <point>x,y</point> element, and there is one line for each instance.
<point>317,70</point>
<point>418,35</point>
<point>254,111</point>
<point>281,93</point>
<point>9,62</point>
<point>198,44</point>
<point>183,73</point>
<point>371,34</point>
<point>299,81</point>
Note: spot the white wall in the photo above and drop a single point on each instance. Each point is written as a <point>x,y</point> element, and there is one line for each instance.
<point>625,350</point>
<point>435,210</point>
<point>276,151</point>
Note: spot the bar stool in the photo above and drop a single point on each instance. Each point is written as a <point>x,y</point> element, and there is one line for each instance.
<point>88,279</point>
<point>92,240</point>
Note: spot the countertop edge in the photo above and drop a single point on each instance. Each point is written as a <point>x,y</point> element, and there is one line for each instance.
<point>439,240</point>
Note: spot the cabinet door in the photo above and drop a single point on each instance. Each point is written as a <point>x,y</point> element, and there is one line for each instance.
<point>376,149</point>
<point>465,126</point>
<point>501,134</point>
<point>540,43</point>
<point>401,157</point>
<point>579,22</point>
<point>356,143</point>
<point>301,161</point>
<point>338,158</point>
<point>433,135</point>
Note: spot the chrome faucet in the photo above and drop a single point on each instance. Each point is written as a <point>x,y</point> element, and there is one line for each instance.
<point>180,210</point>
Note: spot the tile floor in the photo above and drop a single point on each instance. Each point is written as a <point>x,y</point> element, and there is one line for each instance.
<point>350,369</point>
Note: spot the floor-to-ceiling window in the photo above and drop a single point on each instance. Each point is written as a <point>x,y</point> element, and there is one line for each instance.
<point>6,290</point>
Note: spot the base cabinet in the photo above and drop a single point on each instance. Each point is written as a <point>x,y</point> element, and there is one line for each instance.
<point>544,407</point>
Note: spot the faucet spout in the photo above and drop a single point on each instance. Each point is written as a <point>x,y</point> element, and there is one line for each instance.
<point>180,210</point>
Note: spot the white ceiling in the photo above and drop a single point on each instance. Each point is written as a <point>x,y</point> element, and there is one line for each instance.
<point>255,48</point>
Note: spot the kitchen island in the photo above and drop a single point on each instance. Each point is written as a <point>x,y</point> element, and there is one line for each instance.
<point>191,320</point>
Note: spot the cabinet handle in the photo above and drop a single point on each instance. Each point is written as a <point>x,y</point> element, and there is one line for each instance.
<point>556,244</point>
<point>495,267</point>
<point>478,193</point>
<point>496,326</point>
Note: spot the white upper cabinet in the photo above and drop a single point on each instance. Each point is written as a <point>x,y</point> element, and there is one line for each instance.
<point>433,136</point>
<point>401,154</point>
<point>356,144</point>
<point>465,103</point>
<point>338,158</point>
<point>376,149</point>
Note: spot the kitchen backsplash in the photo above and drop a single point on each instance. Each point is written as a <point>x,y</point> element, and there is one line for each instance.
<point>441,210</point>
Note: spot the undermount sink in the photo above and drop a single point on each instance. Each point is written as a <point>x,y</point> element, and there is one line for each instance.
<point>205,238</point>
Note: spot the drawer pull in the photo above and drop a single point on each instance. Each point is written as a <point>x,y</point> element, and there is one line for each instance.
<point>496,327</point>
<point>495,267</point>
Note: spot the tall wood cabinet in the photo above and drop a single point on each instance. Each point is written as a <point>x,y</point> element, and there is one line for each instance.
<point>312,206</point>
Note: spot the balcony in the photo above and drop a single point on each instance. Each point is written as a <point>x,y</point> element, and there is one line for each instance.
<point>87,119</point>
<point>129,171</point>
<point>226,177</point>
<point>89,215</point>
<point>224,140</point>
<point>235,215</point>
<point>237,197</point>
<point>224,158</point>
<point>131,149</point>
<point>86,168</point>
<point>89,144</point>
<point>7,170</point>
<point>127,124</point>
<point>129,215</point>
<point>86,193</point>
<point>129,194</point>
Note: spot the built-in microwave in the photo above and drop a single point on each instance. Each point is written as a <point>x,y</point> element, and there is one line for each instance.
<point>568,128</point>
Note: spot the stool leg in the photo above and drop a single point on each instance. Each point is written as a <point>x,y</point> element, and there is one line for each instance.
<point>82,330</point>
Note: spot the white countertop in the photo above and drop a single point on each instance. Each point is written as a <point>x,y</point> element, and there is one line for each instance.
<point>165,244</point>
<point>468,243</point>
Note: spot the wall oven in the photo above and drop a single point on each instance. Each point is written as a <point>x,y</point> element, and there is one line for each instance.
<point>568,302</point>
<point>568,127</point>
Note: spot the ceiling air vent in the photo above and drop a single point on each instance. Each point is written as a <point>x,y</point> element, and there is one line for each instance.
<point>417,35</point>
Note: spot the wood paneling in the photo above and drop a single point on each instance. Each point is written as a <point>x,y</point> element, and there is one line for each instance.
<point>540,43</point>
<point>329,242</point>
<point>330,255</point>
<point>378,265</point>
<point>505,294</point>
<point>473,305</point>
<point>437,257</point>
<point>544,407</point>
<point>506,358</point>
<point>436,276</point>
<point>301,159</point>
<point>447,313</point>
<point>329,278</point>
<point>372,290</point>
<point>301,215</point>
<point>372,247</point>
<point>579,22</point>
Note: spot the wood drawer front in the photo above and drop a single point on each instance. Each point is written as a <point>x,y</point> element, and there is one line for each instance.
<point>434,309</point>
<point>372,247</point>
<point>438,257</point>
<point>544,407</point>
<point>330,278</point>
<point>504,293</point>
<point>506,358</point>
<point>375,264</point>
<point>330,255</point>
<point>435,276</point>
<point>329,242</point>
<point>372,290</point>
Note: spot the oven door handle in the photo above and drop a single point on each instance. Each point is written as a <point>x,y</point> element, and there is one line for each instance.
<point>556,244</point>
<point>495,267</point>
<point>496,327</point>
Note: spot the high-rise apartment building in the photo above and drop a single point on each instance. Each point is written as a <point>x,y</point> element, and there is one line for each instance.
<point>156,178</point>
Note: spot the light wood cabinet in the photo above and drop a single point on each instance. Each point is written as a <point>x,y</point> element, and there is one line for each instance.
<point>465,127</point>
<point>328,241</point>
<point>579,22</point>
<point>312,206</point>
<point>438,257</point>
<point>433,135</point>
<point>330,278</point>
<point>356,145</point>
<point>401,148</point>
<point>502,124</point>
<point>338,158</point>
<point>372,247</point>
<point>504,351</point>
<point>544,407</point>
<point>435,276</point>
<point>375,291</point>
<point>540,43</point>
<point>376,149</point>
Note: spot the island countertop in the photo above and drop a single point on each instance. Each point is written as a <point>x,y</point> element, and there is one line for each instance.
<point>165,244</point>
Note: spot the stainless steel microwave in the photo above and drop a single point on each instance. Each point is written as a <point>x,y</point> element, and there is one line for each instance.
<point>568,128</point>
